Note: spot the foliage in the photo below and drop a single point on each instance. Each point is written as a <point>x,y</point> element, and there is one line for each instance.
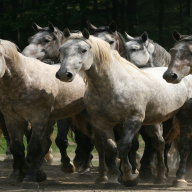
<point>158,17</point>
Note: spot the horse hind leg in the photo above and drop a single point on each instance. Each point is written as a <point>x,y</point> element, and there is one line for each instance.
<point>87,147</point>
<point>16,131</point>
<point>9,157</point>
<point>62,143</point>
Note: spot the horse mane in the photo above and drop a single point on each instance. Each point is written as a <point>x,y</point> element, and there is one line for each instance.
<point>102,53</point>
<point>160,54</point>
<point>10,50</point>
<point>124,46</point>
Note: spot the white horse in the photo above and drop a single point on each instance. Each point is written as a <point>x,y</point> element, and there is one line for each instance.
<point>119,93</point>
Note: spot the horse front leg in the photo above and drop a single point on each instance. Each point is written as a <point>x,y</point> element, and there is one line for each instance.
<point>185,122</point>
<point>61,141</point>
<point>37,148</point>
<point>131,127</point>
<point>155,132</point>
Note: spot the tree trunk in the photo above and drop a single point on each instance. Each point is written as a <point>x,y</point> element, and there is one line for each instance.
<point>130,15</point>
<point>181,15</point>
<point>160,20</point>
<point>115,11</point>
<point>1,12</point>
<point>15,35</point>
<point>122,15</point>
<point>188,8</point>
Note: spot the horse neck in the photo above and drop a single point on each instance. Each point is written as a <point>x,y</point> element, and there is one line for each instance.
<point>107,80</point>
<point>14,77</point>
<point>160,57</point>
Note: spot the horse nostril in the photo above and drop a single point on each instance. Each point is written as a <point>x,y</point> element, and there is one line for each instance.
<point>69,75</point>
<point>173,76</point>
<point>57,75</point>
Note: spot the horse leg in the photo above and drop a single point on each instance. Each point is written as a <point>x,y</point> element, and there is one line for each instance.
<point>133,152</point>
<point>87,147</point>
<point>145,171</point>
<point>62,143</point>
<point>38,147</point>
<point>155,132</point>
<point>102,178</point>
<point>185,122</point>
<point>166,151</point>
<point>15,128</point>
<point>131,127</point>
<point>9,157</point>
<point>107,136</point>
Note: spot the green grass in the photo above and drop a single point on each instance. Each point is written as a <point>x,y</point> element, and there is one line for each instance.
<point>71,148</point>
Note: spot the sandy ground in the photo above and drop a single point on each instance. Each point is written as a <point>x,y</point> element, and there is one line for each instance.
<point>59,181</point>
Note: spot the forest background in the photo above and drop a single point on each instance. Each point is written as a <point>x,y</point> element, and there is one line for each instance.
<point>157,17</point>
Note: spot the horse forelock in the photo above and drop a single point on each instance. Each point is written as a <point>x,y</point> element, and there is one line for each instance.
<point>9,50</point>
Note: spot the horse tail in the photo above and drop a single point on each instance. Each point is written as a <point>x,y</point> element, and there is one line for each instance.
<point>173,132</point>
<point>79,123</point>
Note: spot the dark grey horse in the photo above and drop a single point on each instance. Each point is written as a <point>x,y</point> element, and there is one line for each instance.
<point>44,45</point>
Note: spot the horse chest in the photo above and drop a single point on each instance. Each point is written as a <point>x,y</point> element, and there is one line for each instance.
<point>102,107</point>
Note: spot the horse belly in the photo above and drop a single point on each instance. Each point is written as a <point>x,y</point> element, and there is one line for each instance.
<point>166,103</point>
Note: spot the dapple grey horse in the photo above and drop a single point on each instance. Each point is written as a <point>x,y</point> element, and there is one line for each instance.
<point>31,93</point>
<point>120,93</point>
<point>44,45</point>
<point>117,42</point>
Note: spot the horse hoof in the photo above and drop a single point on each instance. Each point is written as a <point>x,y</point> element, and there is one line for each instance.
<point>29,185</point>
<point>146,175</point>
<point>85,176</point>
<point>160,180</point>
<point>49,160</point>
<point>109,185</point>
<point>68,168</point>
<point>131,183</point>
<point>8,160</point>
<point>41,176</point>
<point>101,180</point>
<point>77,164</point>
<point>179,183</point>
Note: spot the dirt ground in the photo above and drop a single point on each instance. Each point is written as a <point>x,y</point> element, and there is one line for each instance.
<point>59,181</point>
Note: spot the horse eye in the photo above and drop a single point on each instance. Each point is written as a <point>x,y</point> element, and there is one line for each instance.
<point>133,50</point>
<point>84,51</point>
<point>111,42</point>
<point>47,40</point>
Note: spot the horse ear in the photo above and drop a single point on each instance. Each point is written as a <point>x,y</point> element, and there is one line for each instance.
<point>144,36</point>
<point>176,36</point>
<point>90,26</point>
<point>113,26</point>
<point>129,37</point>
<point>36,27</point>
<point>51,27</point>
<point>66,32</point>
<point>86,33</point>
